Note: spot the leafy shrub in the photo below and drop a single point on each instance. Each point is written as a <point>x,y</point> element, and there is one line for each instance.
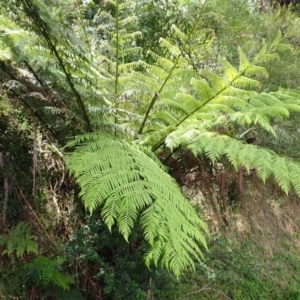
<point>105,264</point>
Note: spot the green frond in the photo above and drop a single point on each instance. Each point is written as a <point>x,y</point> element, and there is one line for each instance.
<point>165,117</point>
<point>19,241</point>
<point>254,70</point>
<point>171,48</point>
<point>277,40</point>
<point>108,32</point>
<point>247,157</point>
<point>280,112</point>
<point>214,108</point>
<point>203,89</point>
<point>216,82</point>
<point>128,20</point>
<point>232,102</point>
<point>238,92</point>
<point>43,271</point>
<point>244,62</point>
<point>294,169</point>
<point>285,47</point>
<point>231,151</point>
<point>246,83</point>
<point>127,4</point>
<point>187,102</point>
<point>125,183</point>
<point>214,146</point>
<point>262,52</point>
<point>230,72</point>
<point>178,33</point>
<point>270,57</point>
<point>263,165</point>
<point>281,173</point>
<point>106,14</point>
<point>157,72</point>
<point>183,136</point>
<point>155,137</point>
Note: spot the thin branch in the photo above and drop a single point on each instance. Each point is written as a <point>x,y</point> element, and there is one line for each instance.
<point>6,188</point>
<point>20,193</point>
<point>117,56</point>
<point>156,95</point>
<point>34,159</point>
<point>208,289</point>
<point>147,113</point>
<point>42,27</point>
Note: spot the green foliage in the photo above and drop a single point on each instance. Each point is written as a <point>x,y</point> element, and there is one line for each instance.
<point>77,71</point>
<point>43,271</point>
<point>238,271</point>
<point>19,241</point>
<point>117,265</point>
<point>134,187</point>
<point>231,100</point>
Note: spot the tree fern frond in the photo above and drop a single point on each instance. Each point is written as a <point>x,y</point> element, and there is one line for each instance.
<point>164,116</point>
<point>281,173</point>
<point>215,148</point>
<point>125,182</point>
<point>216,82</point>
<point>263,166</point>
<point>43,271</point>
<point>171,48</point>
<point>247,157</point>
<point>203,89</point>
<point>254,70</point>
<point>239,154</point>
<point>233,102</point>
<point>212,109</point>
<point>246,83</point>
<point>128,20</point>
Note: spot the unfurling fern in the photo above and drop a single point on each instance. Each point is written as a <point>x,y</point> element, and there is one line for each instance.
<point>132,188</point>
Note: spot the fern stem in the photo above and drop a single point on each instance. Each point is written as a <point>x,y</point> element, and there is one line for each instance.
<point>33,13</point>
<point>158,145</point>
<point>156,95</point>
<point>117,58</point>
<point>20,193</point>
<point>117,49</point>
<point>84,30</point>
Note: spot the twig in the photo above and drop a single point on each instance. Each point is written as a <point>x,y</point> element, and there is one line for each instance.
<point>149,293</point>
<point>205,288</point>
<point>36,217</point>
<point>6,188</point>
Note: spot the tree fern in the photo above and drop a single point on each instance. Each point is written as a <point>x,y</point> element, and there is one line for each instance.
<point>230,100</point>
<point>132,188</point>
<point>169,102</point>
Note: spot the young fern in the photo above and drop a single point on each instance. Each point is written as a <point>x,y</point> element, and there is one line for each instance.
<point>19,241</point>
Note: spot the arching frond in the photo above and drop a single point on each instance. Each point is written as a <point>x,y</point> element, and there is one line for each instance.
<point>267,163</point>
<point>126,183</point>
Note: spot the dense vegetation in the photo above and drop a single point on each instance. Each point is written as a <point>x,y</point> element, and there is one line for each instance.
<point>149,149</point>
